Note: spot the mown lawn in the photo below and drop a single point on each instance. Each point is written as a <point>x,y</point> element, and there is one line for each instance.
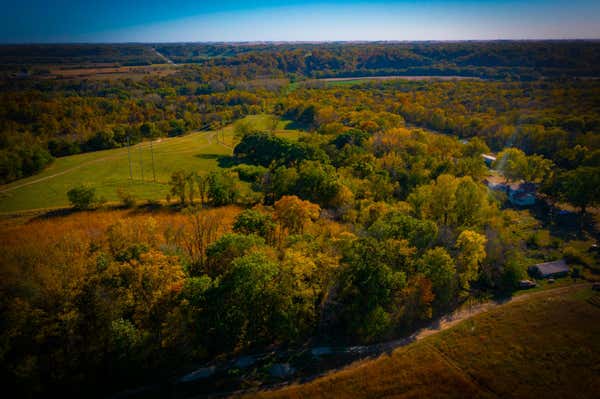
<point>544,347</point>
<point>108,170</point>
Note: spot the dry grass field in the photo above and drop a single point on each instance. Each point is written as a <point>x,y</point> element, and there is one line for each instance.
<point>545,347</point>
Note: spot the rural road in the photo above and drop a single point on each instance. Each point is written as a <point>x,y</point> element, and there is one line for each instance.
<point>167,60</point>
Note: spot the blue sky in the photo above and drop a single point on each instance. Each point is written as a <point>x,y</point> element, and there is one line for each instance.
<point>308,20</point>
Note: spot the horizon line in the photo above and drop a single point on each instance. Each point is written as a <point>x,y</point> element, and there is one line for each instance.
<point>250,42</point>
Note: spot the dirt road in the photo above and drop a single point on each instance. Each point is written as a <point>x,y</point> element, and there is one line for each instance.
<point>372,351</point>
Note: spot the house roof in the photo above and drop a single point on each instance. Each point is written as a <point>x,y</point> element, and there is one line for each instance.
<point>523,187</point>
<point>549,268</point>
<point>522,195</point>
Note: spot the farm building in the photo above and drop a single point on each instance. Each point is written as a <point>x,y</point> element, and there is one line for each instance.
<point>555,268</point>
<point>488,159</point>
<point>521,194</point>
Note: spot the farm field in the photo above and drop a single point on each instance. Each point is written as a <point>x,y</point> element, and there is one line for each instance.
<point>111,72</point>
<point>108,170</point>
<point>399,77</point>
<point>546,346</point>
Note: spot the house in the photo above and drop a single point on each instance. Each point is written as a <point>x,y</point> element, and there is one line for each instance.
<point>522,194</point>
<point>555,268</point>
<point>488,159</point>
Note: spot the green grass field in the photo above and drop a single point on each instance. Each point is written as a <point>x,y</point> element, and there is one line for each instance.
<point>108,170</point>
<point>545,346</point>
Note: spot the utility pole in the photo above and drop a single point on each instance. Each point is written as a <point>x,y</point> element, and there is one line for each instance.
<point>152,152</point>
<point>141,165</point>
<point>129,156</point>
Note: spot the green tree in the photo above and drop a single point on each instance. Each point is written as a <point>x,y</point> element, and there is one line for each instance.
<point>282,181</point>
<point>443,198</point>
<point>581,187</point>
<point>251,221</point>
<point>511,162</point>
<point>230,246</point>
<point>512,272</point>
<point>222,188</point>
<point>369,290</point>
<point>471,201</point>
<point>178,184</point>
<point>536,168</point>
<point>316,182</point>
<point>256,305</point>
<point>438,266</point>
<point>475,147</point>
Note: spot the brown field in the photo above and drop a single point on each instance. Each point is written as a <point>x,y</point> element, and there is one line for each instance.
<point>545,347</point>
<point>109,71</point>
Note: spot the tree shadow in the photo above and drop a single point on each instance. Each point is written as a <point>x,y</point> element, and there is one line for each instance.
<point>502,296</point>
<point>224,161</point>
<point>227,161</point>
<point>563,224</point>
<point>295,125</point>
<point>208,156</point>
<point>56,213</point>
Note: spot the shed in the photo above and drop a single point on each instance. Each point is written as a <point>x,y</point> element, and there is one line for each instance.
<point>555,268</point>
<point>488,159</point>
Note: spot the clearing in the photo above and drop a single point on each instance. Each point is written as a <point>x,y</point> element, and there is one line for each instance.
<point>108,170</point>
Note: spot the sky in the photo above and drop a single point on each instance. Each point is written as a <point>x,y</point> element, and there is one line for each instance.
<point>37,21</point>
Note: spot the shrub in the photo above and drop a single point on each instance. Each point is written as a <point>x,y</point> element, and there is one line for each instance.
<point>83,197</point>
<point>127,198</point>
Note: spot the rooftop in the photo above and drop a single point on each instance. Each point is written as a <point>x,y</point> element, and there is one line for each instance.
<point>554,267</point>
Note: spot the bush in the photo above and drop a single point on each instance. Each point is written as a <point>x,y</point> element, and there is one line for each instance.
<point>83,197</point>
<point>127,199</point>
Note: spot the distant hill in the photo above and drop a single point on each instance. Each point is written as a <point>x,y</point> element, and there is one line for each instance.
<point>491,59</point>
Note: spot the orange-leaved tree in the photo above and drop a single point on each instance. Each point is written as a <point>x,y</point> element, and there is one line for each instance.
<point>293,214</point>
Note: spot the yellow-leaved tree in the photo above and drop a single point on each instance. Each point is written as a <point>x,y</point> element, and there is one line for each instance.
<point>471,252</point>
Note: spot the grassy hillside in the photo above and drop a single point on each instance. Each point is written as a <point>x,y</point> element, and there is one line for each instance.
<point>109,170</point>
<point>546,346</point>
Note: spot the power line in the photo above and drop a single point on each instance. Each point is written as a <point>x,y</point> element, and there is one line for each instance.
<point>152,152</point>
<point>129,157</point>
<point>141,164</point>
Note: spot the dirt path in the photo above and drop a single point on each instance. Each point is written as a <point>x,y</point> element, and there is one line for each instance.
<point>375,350</point>
<point>41,179</point>
<point>458,316</point>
